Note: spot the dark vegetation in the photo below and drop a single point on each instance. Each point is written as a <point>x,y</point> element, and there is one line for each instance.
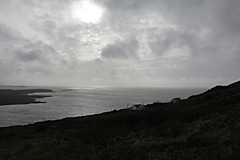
<point>205,126</point>
<point>8,96</point>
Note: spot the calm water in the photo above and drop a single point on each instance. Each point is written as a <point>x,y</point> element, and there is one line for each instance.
<point>85,101</point>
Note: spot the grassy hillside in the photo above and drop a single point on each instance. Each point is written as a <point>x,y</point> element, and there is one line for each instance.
<point>205,126</point>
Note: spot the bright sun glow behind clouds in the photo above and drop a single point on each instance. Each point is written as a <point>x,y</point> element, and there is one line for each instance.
<point>87,11</point>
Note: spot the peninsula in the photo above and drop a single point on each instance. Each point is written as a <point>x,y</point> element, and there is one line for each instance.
<point>13,97</point>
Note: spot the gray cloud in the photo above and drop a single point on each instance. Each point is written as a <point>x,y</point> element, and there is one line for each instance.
<point>137,42</point>
<point>9,36</point>
<point>12,44</point>
<point>159,44</point>
<point>227,16</point>
<point>36,51</point>
<point>27,56</point>
<point>113,73</point>
<point>121,49</point>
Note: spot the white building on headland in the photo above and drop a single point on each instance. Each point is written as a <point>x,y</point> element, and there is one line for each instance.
<point>175,100</point>
<point>137,107</point>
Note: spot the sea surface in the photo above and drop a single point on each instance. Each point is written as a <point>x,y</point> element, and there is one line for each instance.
<point>80,101</point>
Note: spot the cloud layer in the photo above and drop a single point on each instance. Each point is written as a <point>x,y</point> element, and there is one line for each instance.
<point>152,43</point>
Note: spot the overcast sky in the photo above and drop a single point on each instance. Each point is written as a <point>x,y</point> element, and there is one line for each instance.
<point>127,43</point>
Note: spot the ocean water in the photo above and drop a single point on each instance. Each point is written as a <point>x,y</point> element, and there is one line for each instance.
<point>79,101</point>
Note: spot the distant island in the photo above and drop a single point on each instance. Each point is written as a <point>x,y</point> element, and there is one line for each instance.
<point>204,126</point>
<point>14,97</point>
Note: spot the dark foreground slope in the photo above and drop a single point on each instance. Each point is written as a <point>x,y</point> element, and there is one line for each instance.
<point>9,97</point>
<point>205,126</point>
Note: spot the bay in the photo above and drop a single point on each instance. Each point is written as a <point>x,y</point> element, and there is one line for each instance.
<point>80,101</point>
